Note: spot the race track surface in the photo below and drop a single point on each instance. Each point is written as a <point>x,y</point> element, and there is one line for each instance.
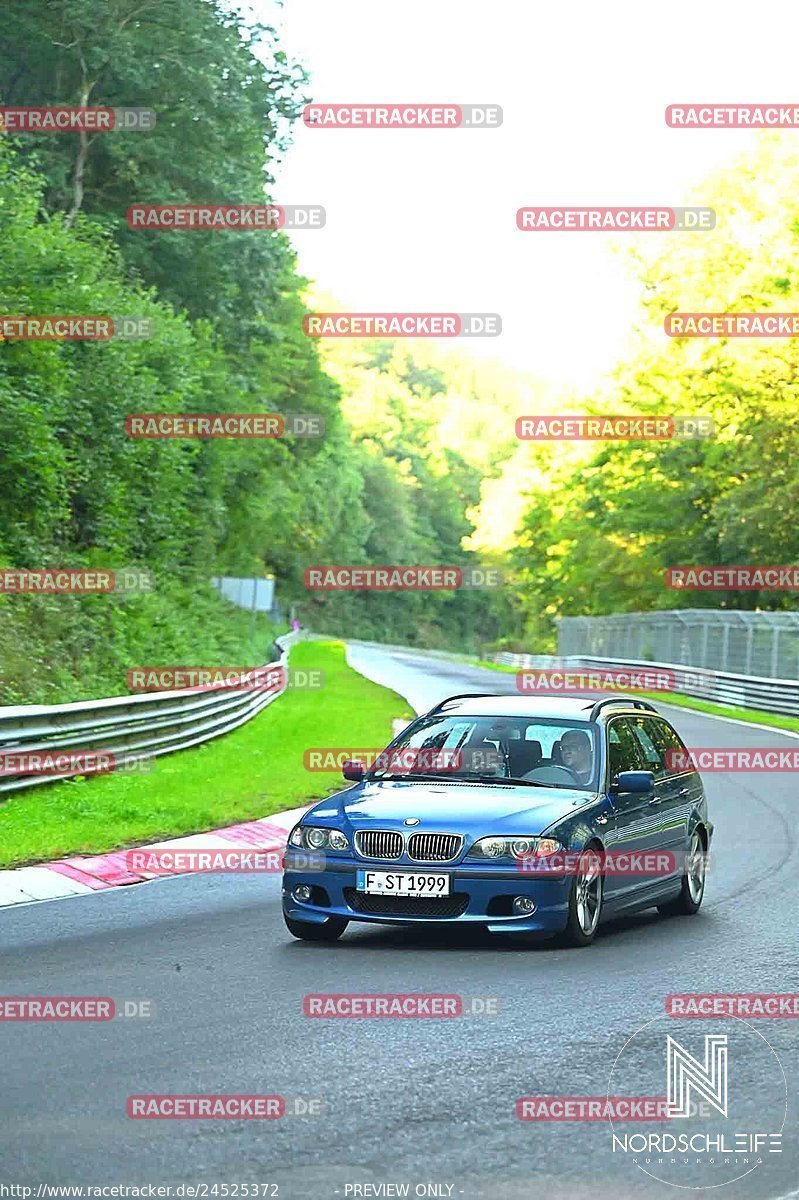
<point>406,1101</point>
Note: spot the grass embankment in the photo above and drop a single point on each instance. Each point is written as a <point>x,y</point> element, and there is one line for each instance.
<point>752,715</point>
<point>252,772</point>
<point>55,649</point>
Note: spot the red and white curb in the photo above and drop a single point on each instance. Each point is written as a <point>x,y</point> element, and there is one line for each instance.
<point>78,875</point>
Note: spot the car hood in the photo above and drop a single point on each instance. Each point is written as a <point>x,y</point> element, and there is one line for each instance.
<point>448,807</point>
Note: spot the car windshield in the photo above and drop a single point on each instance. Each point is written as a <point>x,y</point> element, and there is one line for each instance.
<point>535,750</point>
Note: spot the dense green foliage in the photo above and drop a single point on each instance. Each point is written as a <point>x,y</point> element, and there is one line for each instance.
<point>419,462</point>
<point>227,309</point>
<point>597,528</point>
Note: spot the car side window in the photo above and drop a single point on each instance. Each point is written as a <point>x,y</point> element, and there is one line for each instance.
<point>624,750</point>
<point>671,746</point>
<point>653,758</point>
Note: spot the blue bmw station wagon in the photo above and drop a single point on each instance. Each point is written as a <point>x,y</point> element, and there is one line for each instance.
<point>503,812</point>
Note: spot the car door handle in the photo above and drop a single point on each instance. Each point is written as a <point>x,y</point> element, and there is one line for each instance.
<point>684,791</point>
<point>654,800</point>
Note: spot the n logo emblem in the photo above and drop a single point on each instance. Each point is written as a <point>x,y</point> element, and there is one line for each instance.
<point>684,1074</point>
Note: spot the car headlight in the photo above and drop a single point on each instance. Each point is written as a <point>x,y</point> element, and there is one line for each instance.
<point>317,837</point>
<point>513,847</point>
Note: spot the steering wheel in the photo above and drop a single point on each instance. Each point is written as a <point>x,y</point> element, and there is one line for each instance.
<point>562,772</point>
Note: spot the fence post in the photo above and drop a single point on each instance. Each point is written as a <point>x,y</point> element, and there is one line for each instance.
<point>750,638</point>
<point>775,651</point>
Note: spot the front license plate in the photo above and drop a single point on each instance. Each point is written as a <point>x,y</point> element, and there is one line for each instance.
<point>403,883</point>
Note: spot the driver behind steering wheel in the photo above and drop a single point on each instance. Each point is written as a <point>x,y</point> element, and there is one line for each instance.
<point>577,754</point>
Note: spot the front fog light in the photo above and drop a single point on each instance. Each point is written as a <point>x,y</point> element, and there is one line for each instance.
<point>523,905</point>
<point>302,893</point>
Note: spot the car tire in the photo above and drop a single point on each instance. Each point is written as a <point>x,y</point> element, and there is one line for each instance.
<point>309,931</point>
<point>585,902</point>
<point>692,890</point>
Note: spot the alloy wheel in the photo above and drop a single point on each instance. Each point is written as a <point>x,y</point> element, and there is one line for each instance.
<point>695,867</point>
<point>589,893</point>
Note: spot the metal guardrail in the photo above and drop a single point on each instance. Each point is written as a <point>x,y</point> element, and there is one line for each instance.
<point>721,687</point>
<point>130,727</point>
<point>524,662</point>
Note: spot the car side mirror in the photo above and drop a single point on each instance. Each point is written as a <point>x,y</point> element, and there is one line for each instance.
<point>633,781</point>
<point>353,770</point>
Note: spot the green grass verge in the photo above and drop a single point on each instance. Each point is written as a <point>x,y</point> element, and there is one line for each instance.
<point>753,715</point>
<point>252,772</point>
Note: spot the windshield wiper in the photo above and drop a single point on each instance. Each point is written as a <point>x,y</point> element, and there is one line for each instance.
<point>453,777</point>
<point>411,775</point>
<point>509,779</point>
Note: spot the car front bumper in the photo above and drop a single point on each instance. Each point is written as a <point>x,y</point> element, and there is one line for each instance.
<point>479,897</point>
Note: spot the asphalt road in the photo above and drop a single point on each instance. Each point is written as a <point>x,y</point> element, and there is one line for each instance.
<point>418,1102</point>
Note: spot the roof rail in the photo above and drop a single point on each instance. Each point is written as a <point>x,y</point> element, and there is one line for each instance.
<point>632,701</point>
<point>462,696</point>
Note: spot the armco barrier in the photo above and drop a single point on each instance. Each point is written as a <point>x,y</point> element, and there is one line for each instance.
<point>721,687</point>
<point>151,724</point>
